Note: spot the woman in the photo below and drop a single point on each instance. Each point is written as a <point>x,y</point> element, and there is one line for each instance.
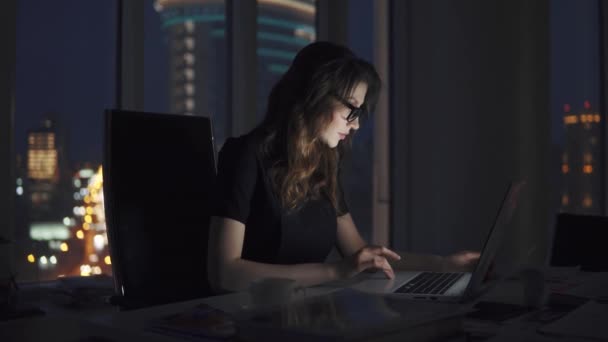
<point>280,206</point>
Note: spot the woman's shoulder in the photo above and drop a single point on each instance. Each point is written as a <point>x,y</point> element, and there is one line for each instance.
<point>244,148</point>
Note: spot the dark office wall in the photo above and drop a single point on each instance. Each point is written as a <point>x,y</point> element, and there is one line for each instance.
<point>477,116</point>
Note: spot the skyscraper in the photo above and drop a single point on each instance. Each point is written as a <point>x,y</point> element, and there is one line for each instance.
<point>196,31</point>
<point>581,161</point>
<point>42,154</point>
<point>42,170</point>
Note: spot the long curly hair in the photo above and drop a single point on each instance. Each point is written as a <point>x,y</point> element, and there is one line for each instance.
<point>300,106</point>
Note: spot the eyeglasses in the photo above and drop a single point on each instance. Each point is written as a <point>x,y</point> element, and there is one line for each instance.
<point>355,112</point>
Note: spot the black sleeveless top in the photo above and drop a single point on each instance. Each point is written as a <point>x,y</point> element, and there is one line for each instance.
<point>272,235</point>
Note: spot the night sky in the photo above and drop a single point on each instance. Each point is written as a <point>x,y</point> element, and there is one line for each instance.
<point>66,65</point>
<point>65,70</point>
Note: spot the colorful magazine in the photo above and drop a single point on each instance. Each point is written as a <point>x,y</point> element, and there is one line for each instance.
<point>202,322</point>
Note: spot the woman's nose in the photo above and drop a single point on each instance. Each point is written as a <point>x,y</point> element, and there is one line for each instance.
<point>354,124</point>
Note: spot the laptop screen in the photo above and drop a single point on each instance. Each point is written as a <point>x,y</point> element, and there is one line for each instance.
<point>495,237</point>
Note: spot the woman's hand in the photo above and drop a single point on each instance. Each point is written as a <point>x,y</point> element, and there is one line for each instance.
<point>367,258</point>
<point>461,261</point>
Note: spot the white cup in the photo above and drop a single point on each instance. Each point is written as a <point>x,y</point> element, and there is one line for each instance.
<point>273,291</point>
<point>533,281</point>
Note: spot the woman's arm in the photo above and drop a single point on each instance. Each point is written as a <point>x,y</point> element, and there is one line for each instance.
<point>354,250</point>
<point>350,241</point>
<point>462,261</point>
<point>229,272</point>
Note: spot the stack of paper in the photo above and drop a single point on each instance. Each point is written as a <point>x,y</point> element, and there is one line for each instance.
<point>588,321</point>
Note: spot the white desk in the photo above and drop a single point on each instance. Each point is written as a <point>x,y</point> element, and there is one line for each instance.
<point>128,325</point>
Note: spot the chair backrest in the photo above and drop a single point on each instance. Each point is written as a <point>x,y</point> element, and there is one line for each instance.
<point>159,172</point>
<point>581,240</point>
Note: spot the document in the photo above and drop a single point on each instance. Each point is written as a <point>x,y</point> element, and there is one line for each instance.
<point>588,321</point>
<point>594,286</point>
<point>202,322</point>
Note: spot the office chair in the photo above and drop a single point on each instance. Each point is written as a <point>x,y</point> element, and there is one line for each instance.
<point>581,240</point>
<point>159,171</point>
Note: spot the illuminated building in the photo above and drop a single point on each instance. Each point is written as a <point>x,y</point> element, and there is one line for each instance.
<point>196,31</point>
<point>43,188</point>
<point>42,154</point>
<point>580,163</point>
<point>43,201</point>
<point>88,225</point>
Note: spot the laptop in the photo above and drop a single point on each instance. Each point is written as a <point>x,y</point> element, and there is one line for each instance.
<point>457,286</point>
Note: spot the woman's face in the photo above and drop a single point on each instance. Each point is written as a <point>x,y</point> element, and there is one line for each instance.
<point>339,127</point>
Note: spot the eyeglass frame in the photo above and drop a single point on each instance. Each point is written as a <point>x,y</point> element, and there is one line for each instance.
<point>355,112</point>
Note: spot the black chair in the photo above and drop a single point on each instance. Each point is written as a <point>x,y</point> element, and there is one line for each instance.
<point>159,170</point>
<point>581,240</point>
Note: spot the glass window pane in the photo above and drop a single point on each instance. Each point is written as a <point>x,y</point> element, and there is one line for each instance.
<point>575,96</point>
<point>284,27</point>
<point>65,78</point>
<point>358,179</point>
<point>185,60</point>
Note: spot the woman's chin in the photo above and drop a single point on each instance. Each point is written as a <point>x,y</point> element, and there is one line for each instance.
<point>331,143</point>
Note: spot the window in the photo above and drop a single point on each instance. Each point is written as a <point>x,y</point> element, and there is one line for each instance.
<point>284,27</point>
<point>65,78</point>
<point>185,60</point>
<point>358,179</point>
<point>575,96</point>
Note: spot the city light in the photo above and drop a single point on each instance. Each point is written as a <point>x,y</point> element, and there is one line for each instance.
<point>53,260</point>
<point>98,242</point>
<point>570,119</point>
<point>64,247</point>
<point>107,260</point>
<point>43,260</point>
<point>93,258</point>
<point>80,234</point>
<point>587,201</point>
<point>580,154</point>
<point>44,231</point>
<point>31,258</point>
<point>86,173</point>
<point>85,270</point>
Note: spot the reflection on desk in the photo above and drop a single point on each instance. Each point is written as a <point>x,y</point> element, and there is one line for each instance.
<point>87,319</point>
<point>348,315</point>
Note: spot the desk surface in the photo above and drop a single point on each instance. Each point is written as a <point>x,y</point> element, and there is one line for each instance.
<point>107,322</point>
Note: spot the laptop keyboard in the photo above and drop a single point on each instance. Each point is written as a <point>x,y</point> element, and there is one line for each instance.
<point>430,283</point>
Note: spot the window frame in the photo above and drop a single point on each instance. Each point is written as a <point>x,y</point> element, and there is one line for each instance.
<point>7,143</point>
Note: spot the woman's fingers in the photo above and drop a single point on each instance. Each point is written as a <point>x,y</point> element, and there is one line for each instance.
<point>473,255</point>
<point>376,262</point>
<point>388,270</point>
<point>383,251</point>
<point>470,256</point>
